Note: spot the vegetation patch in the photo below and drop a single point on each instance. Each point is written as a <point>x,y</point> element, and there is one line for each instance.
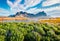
<point>31,31</point>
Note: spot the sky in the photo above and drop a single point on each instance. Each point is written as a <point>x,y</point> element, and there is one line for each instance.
<point>9,7</point>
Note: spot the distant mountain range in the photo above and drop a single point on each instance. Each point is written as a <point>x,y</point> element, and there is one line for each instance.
<point>25,14</point>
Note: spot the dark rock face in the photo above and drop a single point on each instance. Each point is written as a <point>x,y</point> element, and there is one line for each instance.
<point>41,14</point>
<point>29,14</point>
<point>11,16</point>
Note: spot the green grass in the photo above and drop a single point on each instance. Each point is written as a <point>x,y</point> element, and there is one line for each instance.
<point>12,31</point>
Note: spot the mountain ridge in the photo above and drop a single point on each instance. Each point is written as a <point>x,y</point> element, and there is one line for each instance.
<point>25,14</point>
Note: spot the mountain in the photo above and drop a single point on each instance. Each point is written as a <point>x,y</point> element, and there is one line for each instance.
<point>25,14</point>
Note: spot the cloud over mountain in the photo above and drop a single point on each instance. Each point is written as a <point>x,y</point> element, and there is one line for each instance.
<point>35,6</point>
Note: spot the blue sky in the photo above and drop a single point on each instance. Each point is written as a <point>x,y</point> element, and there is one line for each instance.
<point>51,7</point>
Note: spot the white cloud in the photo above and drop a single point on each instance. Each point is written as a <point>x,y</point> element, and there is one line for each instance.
<point>4,12</point>
<point>15,7</point>
<point>50,2</point>
<point>10,3</point>
<point>30,3</point>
